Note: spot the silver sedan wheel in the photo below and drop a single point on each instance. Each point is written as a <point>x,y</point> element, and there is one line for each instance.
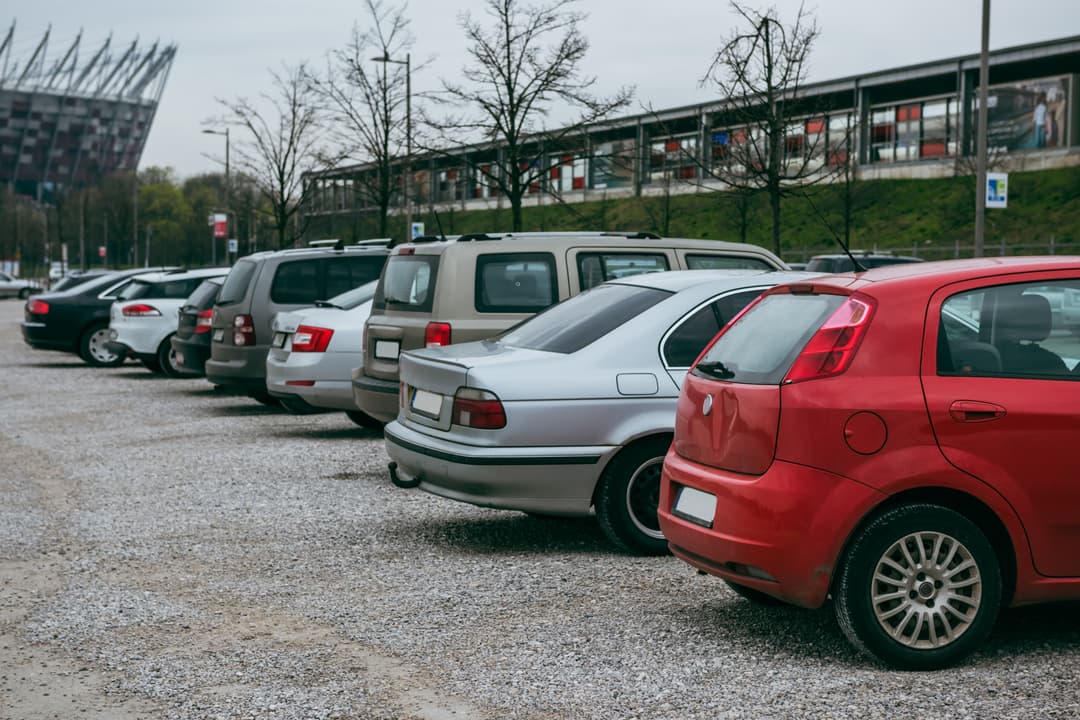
<point>926,590</point>
<point>96,346</point>
<point>643,497</point>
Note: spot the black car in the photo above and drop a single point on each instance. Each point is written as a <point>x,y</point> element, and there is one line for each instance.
<point>77,320</point>
<point>76,277</point>
<point>838,262</point>
<point>191,343</point>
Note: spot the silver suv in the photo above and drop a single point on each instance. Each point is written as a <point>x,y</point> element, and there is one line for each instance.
<point>438,291</point>
<point>261,285</point>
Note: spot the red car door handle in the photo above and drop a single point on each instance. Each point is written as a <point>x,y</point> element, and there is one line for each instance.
<point>973,411</point>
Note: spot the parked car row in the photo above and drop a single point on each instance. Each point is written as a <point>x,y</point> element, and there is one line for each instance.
<point>895,439</point>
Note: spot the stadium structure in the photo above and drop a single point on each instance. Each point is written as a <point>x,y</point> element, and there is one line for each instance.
<point>74,114</point>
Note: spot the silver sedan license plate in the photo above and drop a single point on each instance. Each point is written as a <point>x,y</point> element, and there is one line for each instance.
<point>387,349</point>
<point>279,340</point>
<point>426,403</point>
<point>696,506</point>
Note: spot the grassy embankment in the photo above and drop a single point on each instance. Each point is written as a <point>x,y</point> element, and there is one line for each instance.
<point>929,217</point>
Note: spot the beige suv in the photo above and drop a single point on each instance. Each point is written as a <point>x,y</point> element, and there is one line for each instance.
<point>437,291</point>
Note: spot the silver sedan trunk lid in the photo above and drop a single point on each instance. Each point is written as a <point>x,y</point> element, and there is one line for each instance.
<point>287,322</point>
<point>428,389</point>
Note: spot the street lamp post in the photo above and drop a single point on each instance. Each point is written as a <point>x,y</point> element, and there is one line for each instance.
<point>385,58</point>
<point>213,241</point>
<point>980,142</point>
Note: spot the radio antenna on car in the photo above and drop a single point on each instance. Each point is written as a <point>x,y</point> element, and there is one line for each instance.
<point>439,223</point>
<point>836,236</point>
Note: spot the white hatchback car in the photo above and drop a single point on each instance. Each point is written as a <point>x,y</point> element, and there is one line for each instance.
<point>313,354</point>
<point>143,319</point>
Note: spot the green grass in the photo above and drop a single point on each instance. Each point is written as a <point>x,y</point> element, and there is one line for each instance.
<point>928,217</point>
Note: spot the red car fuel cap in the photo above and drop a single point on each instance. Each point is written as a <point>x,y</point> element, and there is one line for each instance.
<point>865,433</point>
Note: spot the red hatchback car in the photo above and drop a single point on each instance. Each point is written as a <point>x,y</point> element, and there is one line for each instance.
<point>903,439</point>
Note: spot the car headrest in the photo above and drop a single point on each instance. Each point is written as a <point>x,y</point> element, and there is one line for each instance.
<point>1024,317</point>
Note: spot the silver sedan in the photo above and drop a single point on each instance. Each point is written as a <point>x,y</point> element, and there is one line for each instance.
<point>572,410</point>
<point>313,353</point>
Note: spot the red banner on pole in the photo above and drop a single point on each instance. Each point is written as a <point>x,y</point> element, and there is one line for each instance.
<point>221,225</point>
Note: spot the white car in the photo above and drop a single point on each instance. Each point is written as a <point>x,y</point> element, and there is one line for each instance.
<point>143,319</point>
<point>11,286</point>
<point>313,353</point>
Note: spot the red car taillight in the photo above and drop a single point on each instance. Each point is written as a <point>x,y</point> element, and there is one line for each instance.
<point>243,330</point>
<point>309,338</point>
<point>203,321</point>
<point>38,307</point>
<point>832,348</point>
<point>436,334</point>
<point>140,310</point>
<point>478,409</point>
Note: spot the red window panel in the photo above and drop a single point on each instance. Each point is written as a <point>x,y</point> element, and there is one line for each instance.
<point>534,187</point>
<point>838,157</point>
<point>567,159</point>
<point>881,133</point>
<point>686,173</point>
<point>907,112</point>
<point>555,172</point>
<point>933,149</point>
<point>813,127</point>
<point>671,146</point>
<point>579,183</point>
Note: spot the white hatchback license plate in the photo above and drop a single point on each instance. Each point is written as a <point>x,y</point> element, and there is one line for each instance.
<point>219,334</point>
<point>696,506</point>
<point>279,340</point>
<point>426,403</point>
<point>387,349</point>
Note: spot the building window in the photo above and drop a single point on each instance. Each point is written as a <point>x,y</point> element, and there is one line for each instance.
<point>673,158</point>
<point>882,135</point>
<point>568,172</point>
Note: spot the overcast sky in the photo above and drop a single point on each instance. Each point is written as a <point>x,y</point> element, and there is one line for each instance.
<point>662,47</point>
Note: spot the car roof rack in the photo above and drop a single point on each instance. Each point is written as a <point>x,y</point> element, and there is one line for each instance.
<point>638,235</point>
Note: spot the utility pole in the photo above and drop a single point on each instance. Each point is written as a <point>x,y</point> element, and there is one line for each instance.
<point>135,218</point>
<point>385,58</point>
<point>980,160</point>
<point>82,229</point>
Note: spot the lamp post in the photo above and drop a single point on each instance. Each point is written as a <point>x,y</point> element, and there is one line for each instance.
<point>213,241</point>
<point>385,58</point>
<point>980,146</point>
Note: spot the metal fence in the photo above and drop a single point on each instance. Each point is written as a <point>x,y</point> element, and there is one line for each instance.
<point>932,251</point>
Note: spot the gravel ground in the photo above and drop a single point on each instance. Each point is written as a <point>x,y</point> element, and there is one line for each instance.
<point>166,551</point>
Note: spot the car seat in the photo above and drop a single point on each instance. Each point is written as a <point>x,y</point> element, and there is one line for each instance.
<point>1022,321</point>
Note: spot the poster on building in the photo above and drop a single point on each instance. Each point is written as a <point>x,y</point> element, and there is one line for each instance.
<point>1027,115</point>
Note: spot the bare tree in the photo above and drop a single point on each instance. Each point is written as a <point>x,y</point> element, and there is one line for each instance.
<point>284,140</point>
<point>522,64</point>
<point>367,102</point>
<point>761,68</point>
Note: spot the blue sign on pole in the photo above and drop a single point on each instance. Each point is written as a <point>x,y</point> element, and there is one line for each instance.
<point>997,190</point>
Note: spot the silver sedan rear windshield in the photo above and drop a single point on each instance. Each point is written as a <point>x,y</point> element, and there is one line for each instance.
<point>583,319</point>
<point>760,348</point>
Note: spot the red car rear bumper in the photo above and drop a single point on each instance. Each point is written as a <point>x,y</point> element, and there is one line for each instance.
<point>780,532</point>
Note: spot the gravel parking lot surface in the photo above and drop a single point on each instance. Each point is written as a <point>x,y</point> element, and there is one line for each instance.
<point>170,552</point>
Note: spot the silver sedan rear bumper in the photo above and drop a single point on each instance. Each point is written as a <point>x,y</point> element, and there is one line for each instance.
<point>550,480</point>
